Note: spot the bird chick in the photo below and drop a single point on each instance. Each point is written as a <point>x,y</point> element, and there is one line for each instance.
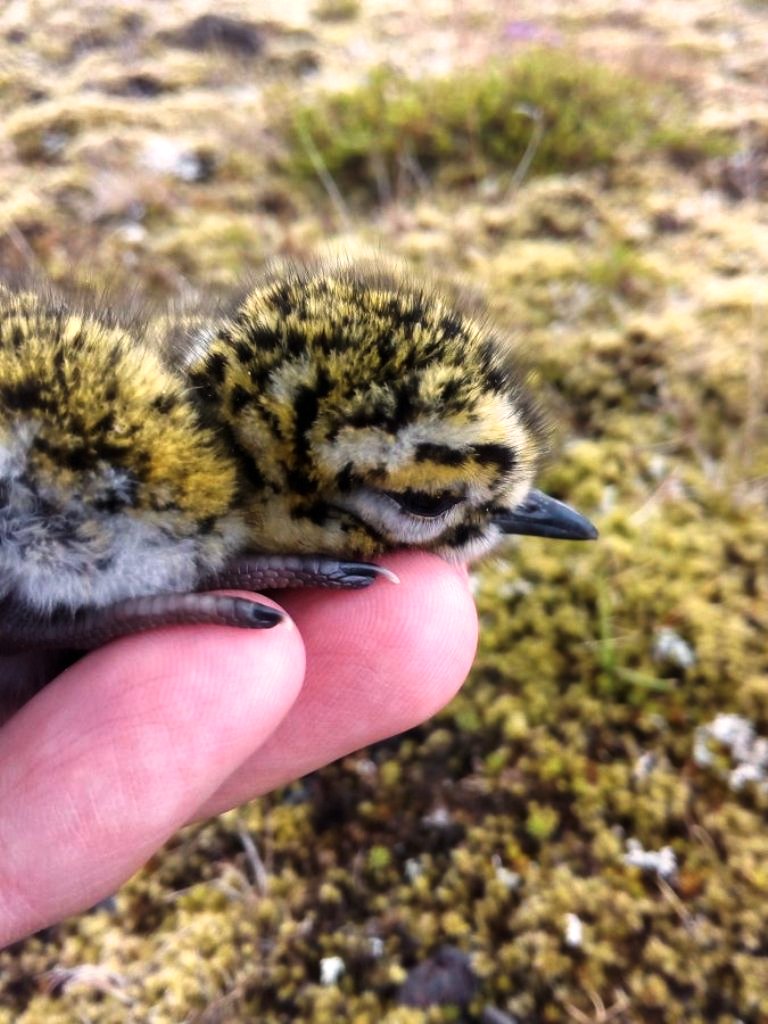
<point>111,489</point>
<point>336,414</point>
<point>367,415</point>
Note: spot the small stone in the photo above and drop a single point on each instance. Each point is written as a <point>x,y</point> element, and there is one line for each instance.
<point>218,32</point>
<point>444,979</point>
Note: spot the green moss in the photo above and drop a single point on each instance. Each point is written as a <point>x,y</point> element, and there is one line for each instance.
<point>393,128</point>
<point>210,246</point>
<point>622,272</point>
<point>336,10</point>
<point>379,857</point>
<point>541,822</point>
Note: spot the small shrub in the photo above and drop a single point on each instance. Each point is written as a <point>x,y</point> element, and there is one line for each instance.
<point>374,137</point>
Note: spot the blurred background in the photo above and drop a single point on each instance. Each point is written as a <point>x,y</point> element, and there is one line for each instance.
<point>581,835</point>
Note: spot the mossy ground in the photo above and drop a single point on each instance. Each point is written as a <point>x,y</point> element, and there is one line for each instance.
<point>636,280</point>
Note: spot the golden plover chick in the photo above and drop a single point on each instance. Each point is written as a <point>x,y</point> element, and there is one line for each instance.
<point>335,415</point>
<point>367,414</point>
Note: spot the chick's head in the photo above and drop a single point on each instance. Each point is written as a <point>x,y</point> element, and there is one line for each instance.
<point>368,414</point>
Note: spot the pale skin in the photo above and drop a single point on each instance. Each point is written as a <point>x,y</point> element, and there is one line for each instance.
<point>156,730</point>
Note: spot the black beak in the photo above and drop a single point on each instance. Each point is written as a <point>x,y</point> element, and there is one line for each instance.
<point>541,516</point>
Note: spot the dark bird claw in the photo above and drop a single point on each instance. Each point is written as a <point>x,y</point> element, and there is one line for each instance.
<point>278,572</point>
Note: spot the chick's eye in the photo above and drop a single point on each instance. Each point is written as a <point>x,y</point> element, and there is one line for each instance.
<point>428,506</point>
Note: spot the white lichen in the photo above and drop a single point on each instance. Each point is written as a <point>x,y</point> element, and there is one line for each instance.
<point>748,751</point>
<point>509,879</point>
<point>573,932</point>
<point>413,869</point>
<point>331,969</point>
<point>670,647</point>
<point>439,817</point>
<point>644,765</point>
<point>661,862</point>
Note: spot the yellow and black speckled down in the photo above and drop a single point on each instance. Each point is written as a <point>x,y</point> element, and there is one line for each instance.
<point>102,454</point>
<point>334,383</point>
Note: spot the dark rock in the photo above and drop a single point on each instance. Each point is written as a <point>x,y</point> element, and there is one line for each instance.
<point>218,32</point>
<point>140,85</point>
<point>443,979</point>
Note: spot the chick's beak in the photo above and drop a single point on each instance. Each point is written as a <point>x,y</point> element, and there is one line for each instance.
<point>538,515</point>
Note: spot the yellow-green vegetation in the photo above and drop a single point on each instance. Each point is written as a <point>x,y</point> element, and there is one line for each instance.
<point>336,10</point>
<point>584,827</point>
<point>573,114</point>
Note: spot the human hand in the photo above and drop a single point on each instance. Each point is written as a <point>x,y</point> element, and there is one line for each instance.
<point>155,730</point>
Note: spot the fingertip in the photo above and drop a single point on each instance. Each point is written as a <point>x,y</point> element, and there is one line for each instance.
<point>401,651</point>
<point>433,627</point>
<point>379,661</point>
<point>205,668</point>
<point>117,753</point>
